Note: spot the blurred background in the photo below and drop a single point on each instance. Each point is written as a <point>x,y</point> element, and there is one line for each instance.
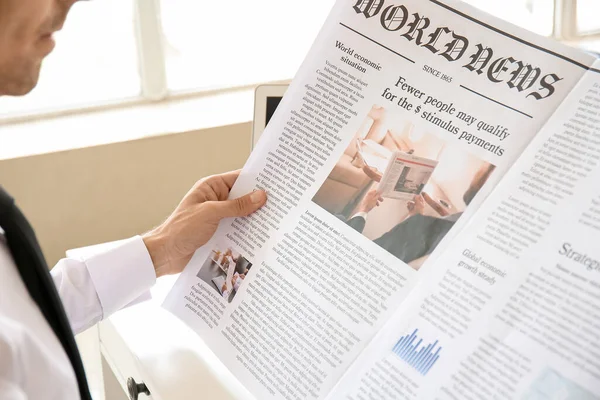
<point>143,97</point>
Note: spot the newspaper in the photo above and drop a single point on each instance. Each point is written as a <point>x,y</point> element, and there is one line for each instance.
<point>432,223</point>
<point>405,176</point>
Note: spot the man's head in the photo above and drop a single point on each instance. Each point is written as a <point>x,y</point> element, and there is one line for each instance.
<point>26,28</point>
<point>480,178</point>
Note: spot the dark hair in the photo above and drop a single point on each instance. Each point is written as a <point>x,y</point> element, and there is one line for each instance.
<point>478,181</point>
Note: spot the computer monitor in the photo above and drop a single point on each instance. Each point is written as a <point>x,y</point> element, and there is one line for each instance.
<point>266,100</point>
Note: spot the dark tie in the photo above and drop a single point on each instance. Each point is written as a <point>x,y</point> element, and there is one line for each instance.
<point>34,272</point>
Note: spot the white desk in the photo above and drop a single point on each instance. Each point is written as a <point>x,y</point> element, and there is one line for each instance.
<point>148,344</point>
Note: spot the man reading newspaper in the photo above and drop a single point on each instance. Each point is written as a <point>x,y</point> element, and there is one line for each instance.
<point>418,234</point>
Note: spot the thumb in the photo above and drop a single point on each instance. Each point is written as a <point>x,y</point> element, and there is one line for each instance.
<point>241,206</point>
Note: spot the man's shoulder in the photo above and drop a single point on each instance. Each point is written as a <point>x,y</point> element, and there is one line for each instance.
<point>426,219</point>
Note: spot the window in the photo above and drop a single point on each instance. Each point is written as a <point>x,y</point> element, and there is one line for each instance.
<point>534,15</point>
<point>588,12</point>
<point>147,50</point>
<point>215,44</point>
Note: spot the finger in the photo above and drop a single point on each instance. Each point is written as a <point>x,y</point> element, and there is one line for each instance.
<point>230,177</point>
<point>241,206</point>
<point>222,184</point>
<point>220,188</point>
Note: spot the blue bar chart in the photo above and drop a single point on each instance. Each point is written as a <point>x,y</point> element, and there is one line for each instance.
<point>412,350</point>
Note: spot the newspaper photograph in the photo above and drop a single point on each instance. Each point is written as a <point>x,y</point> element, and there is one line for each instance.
<point>401,186</point>
<point>224,270</point>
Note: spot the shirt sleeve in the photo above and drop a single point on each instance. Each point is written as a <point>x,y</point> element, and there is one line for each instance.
<point>93,288</point>
<point>361,214</point>
<point>358,221</point>
<point>10,390</point>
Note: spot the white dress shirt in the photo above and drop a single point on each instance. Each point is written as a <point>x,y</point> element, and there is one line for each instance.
<point>33,364</point>
<point>361,214</point>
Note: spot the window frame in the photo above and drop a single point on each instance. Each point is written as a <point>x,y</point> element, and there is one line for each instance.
<point>565,23</point>
<point>149,38</point>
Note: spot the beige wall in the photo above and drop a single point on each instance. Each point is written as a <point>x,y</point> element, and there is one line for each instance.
<point>86,196</point>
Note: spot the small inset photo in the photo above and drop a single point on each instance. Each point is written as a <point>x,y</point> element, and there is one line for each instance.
<point>402,185</point>
<point>225,270</point>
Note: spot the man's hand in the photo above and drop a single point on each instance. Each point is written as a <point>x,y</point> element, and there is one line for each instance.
<point>416,206</point>
<point>437,206</point>
<point>194,221</point>
<point>373,173</point>
<point>371,200</point>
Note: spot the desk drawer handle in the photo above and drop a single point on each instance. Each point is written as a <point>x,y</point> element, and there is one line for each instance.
<point>135,388</point>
